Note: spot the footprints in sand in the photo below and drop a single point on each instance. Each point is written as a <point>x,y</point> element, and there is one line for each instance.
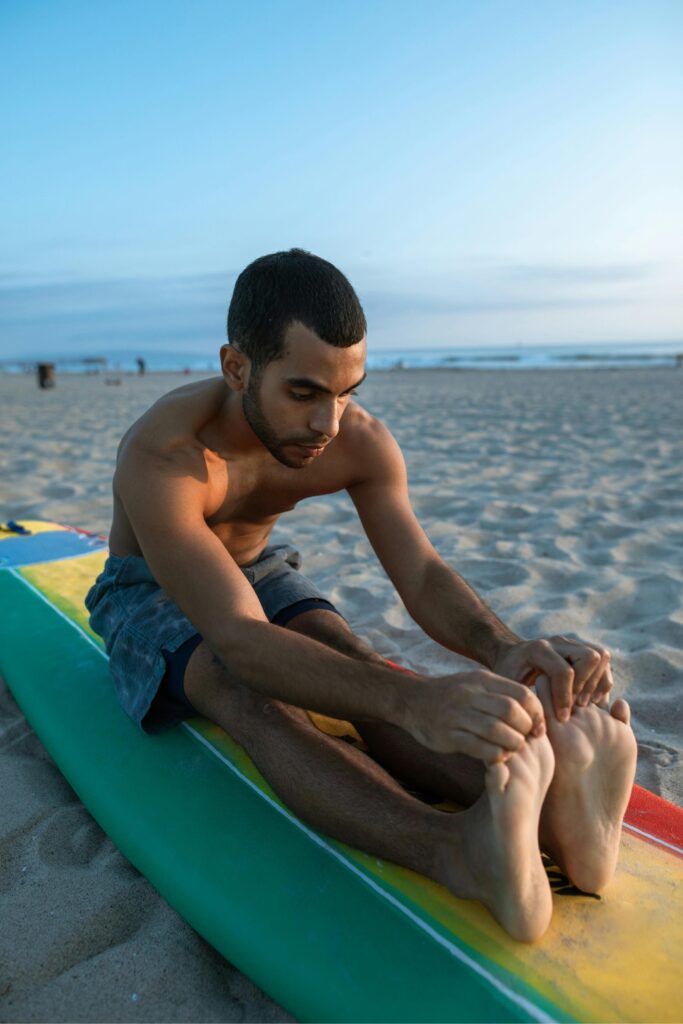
<point>632,601</point>
<point>112,913</point>
<point>59,490</point>
<point>71,838</point>
<point>660,764</point>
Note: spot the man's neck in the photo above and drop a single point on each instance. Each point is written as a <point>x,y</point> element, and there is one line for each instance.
<point>228,434</point>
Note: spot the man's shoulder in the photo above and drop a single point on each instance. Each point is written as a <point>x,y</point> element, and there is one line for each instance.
<point>164,439</point>
<point>369,441</point>
<point>171,424</point>
<point>154,443</point>
<point>361,426</point>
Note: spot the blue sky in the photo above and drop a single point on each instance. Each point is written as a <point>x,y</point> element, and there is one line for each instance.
<point>484,172</point>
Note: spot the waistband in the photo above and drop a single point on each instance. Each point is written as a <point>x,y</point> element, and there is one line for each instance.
<point>134,569</point>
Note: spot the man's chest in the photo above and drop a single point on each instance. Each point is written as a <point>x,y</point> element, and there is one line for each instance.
<point>245,493</point>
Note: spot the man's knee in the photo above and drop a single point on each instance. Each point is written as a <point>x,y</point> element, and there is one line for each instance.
<point>329,628</point>
<point>217,693</point>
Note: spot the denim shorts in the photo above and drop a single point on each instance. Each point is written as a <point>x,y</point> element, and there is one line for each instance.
<point>149,640</point>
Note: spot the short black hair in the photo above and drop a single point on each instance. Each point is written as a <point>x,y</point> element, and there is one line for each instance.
<point>275,290</point>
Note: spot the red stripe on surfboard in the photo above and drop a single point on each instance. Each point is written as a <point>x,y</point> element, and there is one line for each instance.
<point>650,814</point>
<point>655,816</point>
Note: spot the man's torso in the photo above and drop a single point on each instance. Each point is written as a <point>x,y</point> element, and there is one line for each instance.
<point>244,496</point>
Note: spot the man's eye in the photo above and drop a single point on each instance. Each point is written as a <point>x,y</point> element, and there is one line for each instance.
<point>298,397</point>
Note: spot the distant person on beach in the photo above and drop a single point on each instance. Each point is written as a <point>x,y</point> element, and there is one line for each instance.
<point>142,365</point>
<point>201,615</point>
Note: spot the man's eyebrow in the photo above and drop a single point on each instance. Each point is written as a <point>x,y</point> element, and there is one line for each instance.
<point>313,385</point>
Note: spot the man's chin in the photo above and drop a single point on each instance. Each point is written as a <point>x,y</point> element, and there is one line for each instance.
<point>291,462</point>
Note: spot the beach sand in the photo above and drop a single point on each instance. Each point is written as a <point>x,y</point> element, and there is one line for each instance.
<point>557,494</point>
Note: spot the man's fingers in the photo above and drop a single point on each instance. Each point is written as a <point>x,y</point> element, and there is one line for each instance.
<point>604,687</point>
<point>507,709</point>
<point>551,660</point>
<point>588,662</point>
<point>599,678</point>
<point>475,746</point>
<point>524,696</point>
<point>576,670</point>
<point>492,729</point>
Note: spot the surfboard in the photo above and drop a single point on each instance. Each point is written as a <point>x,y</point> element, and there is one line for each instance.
<point>329,932</point>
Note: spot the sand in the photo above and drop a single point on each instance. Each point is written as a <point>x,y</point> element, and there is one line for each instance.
<point>557,494</point>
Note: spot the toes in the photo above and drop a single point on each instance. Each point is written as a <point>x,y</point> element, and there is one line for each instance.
<point>497,777</point>
<point>541,750</point>
<point>621,711</point>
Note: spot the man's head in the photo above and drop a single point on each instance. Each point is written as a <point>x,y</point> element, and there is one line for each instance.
<point>297,348</point>
<point>274,291</point>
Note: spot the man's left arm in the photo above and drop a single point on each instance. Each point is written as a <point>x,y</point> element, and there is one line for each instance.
<point>444,605</point>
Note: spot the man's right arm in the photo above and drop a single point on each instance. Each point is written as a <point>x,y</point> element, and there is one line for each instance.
<point>476,713</point>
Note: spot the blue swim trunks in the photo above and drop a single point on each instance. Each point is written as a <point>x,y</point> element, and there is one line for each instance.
<point>149,640</point>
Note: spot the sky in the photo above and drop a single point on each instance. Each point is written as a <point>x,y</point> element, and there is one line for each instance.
<point>484,172</point>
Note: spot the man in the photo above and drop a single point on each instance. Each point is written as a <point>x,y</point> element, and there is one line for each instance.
<point>200,615</point>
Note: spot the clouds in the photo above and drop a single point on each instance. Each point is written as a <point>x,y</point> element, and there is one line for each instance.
<point>488,304</point>
<point>90,315</point>
<point>501,288</point>
<point>504,303</point>
<point>609,274</point>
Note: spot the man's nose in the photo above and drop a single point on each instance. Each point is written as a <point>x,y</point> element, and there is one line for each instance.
<point>325,420</point>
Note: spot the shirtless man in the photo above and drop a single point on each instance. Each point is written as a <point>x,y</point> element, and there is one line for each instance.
<point>200,615</point>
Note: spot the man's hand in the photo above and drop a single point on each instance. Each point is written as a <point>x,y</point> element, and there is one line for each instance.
<point>476,713</point>
<point>577,671</point>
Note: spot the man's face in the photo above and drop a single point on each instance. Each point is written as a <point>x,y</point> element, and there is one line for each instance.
<point>296,406</point>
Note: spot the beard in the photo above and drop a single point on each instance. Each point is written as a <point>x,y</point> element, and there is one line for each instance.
<point>255,417</point>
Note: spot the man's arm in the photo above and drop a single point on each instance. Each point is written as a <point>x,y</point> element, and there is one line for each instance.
<point>441,601</point>
<point>164,499</point>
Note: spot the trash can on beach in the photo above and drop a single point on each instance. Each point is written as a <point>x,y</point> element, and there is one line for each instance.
<point>46,375</point>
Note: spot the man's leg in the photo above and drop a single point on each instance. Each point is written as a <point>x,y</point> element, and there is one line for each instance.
<point>489,852</point>
<point>595,755</point>
<point>450,776</point>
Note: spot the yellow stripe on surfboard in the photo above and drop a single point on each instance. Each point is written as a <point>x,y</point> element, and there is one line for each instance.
<point>66,582</point>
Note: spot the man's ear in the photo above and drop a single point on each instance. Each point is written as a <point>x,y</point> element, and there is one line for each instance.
<point>235,367</point>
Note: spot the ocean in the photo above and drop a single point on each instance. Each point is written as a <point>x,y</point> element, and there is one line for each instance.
<point>511,357</point>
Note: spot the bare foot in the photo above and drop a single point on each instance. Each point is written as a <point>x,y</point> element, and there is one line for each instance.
<point>500,861</point>
<point>595,760</point>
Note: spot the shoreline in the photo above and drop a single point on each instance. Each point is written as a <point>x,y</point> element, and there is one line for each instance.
<point>580,367</point>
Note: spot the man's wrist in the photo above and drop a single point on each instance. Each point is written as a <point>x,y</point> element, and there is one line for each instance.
<point>501,644</point>
<point>400,689</point>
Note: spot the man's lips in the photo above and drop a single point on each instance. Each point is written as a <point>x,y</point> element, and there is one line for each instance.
<point>312,449</point>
